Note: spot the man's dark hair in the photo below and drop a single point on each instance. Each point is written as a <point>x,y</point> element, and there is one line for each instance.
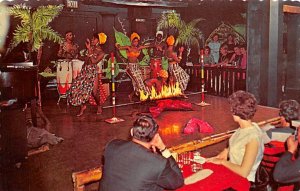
<point>144,128</point>
<point>243,104</point>
<point>289,109</point>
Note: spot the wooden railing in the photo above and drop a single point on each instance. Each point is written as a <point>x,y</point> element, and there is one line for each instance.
<point>219,81</point>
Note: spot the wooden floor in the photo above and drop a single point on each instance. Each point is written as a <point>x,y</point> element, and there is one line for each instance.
<point>85,138</point>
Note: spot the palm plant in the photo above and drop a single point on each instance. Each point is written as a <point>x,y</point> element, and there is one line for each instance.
<point>34,27</point>
<point>188,34</point>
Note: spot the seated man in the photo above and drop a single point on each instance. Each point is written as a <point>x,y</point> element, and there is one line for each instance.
<point>287,170</point>
<point>288,111</point>
<point>144,163</point>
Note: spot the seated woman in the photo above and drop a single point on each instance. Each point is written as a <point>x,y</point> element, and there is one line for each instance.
<point>176,72</point>
<point>88,82</point>
<point>133,51</point>
<point>246,148</point>
<point>288,111</point>
<point>208,59</point>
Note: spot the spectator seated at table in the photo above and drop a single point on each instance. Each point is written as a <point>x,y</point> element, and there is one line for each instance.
<point>288,111</point>
<point>236,58</point>
<point>287,169</point>
<point>144,163</point>
<point>246,147</point>
<point>224,56</point>
<point>208,59</point>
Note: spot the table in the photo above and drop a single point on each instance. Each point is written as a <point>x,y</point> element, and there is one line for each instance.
<point>221,179</point>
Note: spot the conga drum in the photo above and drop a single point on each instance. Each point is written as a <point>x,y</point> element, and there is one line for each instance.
<point>63,77</point>
<point>77,65</point>
<point>155,65</point>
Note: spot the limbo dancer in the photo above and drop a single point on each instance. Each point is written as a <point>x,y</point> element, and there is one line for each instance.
<point>88,82</point>
<point>133,69</point>
<point>176,72</point>
<point>157,53</point>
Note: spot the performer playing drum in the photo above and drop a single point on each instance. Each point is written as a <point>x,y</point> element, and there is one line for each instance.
<point>156,54</point>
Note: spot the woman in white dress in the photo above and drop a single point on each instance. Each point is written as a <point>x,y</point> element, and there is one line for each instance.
<point>246,147</point>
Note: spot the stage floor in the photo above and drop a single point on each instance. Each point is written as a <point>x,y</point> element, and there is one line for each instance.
<point>85,138</point>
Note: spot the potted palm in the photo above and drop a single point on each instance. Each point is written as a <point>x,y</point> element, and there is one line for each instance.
<point>34,29</point>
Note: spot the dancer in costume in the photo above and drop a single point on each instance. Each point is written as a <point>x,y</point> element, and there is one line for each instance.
<point>176,72</point>
<point>133,51</point>
<point>88,82</point>
<point>156,54</point>
<point>158,82</point>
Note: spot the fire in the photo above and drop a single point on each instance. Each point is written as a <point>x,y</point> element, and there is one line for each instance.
<point>166,92</point>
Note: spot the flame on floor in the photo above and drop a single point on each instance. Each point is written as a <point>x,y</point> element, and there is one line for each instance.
<point>166,92</point>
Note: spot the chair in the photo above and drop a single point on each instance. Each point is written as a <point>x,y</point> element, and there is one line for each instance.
<point>272,154</point>
<point>80,179</point>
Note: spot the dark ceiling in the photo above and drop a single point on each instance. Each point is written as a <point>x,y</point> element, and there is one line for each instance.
<point>162,3</point>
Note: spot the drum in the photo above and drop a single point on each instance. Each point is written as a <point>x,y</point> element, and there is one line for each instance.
<point>145,72</point>
<point>77,65</point>
<point>155,65</point>
<point>63,76</point>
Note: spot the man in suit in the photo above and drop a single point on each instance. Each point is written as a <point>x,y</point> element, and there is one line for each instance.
<point>144,163</point>
<point>287,169</point>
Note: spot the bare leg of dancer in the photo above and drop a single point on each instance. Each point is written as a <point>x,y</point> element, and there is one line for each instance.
<point>82,108</point>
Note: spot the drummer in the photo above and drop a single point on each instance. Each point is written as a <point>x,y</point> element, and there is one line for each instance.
<point>157,53</point>
<point>68,49</point>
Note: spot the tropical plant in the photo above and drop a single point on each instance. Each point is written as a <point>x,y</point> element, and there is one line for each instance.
<point>34,27</point>
<point>188,34</point>
<point>169,19</point>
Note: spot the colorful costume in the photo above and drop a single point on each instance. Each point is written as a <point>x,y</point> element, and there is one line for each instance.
<point>82,87</point>
<point>175,70</point>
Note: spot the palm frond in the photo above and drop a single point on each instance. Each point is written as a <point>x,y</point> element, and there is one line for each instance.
<point>168,20</point>
<point>34,25</point>
<point>21,34</point>
<point>188,33</point>
<point>22,12</point>
<point>45,14</point>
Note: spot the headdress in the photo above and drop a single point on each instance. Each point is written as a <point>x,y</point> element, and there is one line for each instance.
<point>170,40</point>
<point>134,35</point>
<point>102,38</point>
<point>159,33</point>
<point>163,74</point>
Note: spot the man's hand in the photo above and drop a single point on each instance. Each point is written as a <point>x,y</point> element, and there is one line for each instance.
<point>157,142</point>
<point>292,144</point>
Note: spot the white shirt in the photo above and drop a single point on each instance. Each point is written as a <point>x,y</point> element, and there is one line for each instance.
<point>237,147</point>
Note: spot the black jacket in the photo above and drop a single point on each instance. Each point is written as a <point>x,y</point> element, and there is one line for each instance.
<point>131,167</point>
<point>286,169</point>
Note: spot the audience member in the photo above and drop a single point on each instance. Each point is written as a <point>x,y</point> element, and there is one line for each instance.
<point>144,163</point>
<point>214,46</point>
<point>288,111</point>
<point>230,42</point>
<point>208,59</point>
<point>287,169</point>
<point>246,148</point>
<point>224,57</point>
<point>244,56</point>
<point>236,58</point>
